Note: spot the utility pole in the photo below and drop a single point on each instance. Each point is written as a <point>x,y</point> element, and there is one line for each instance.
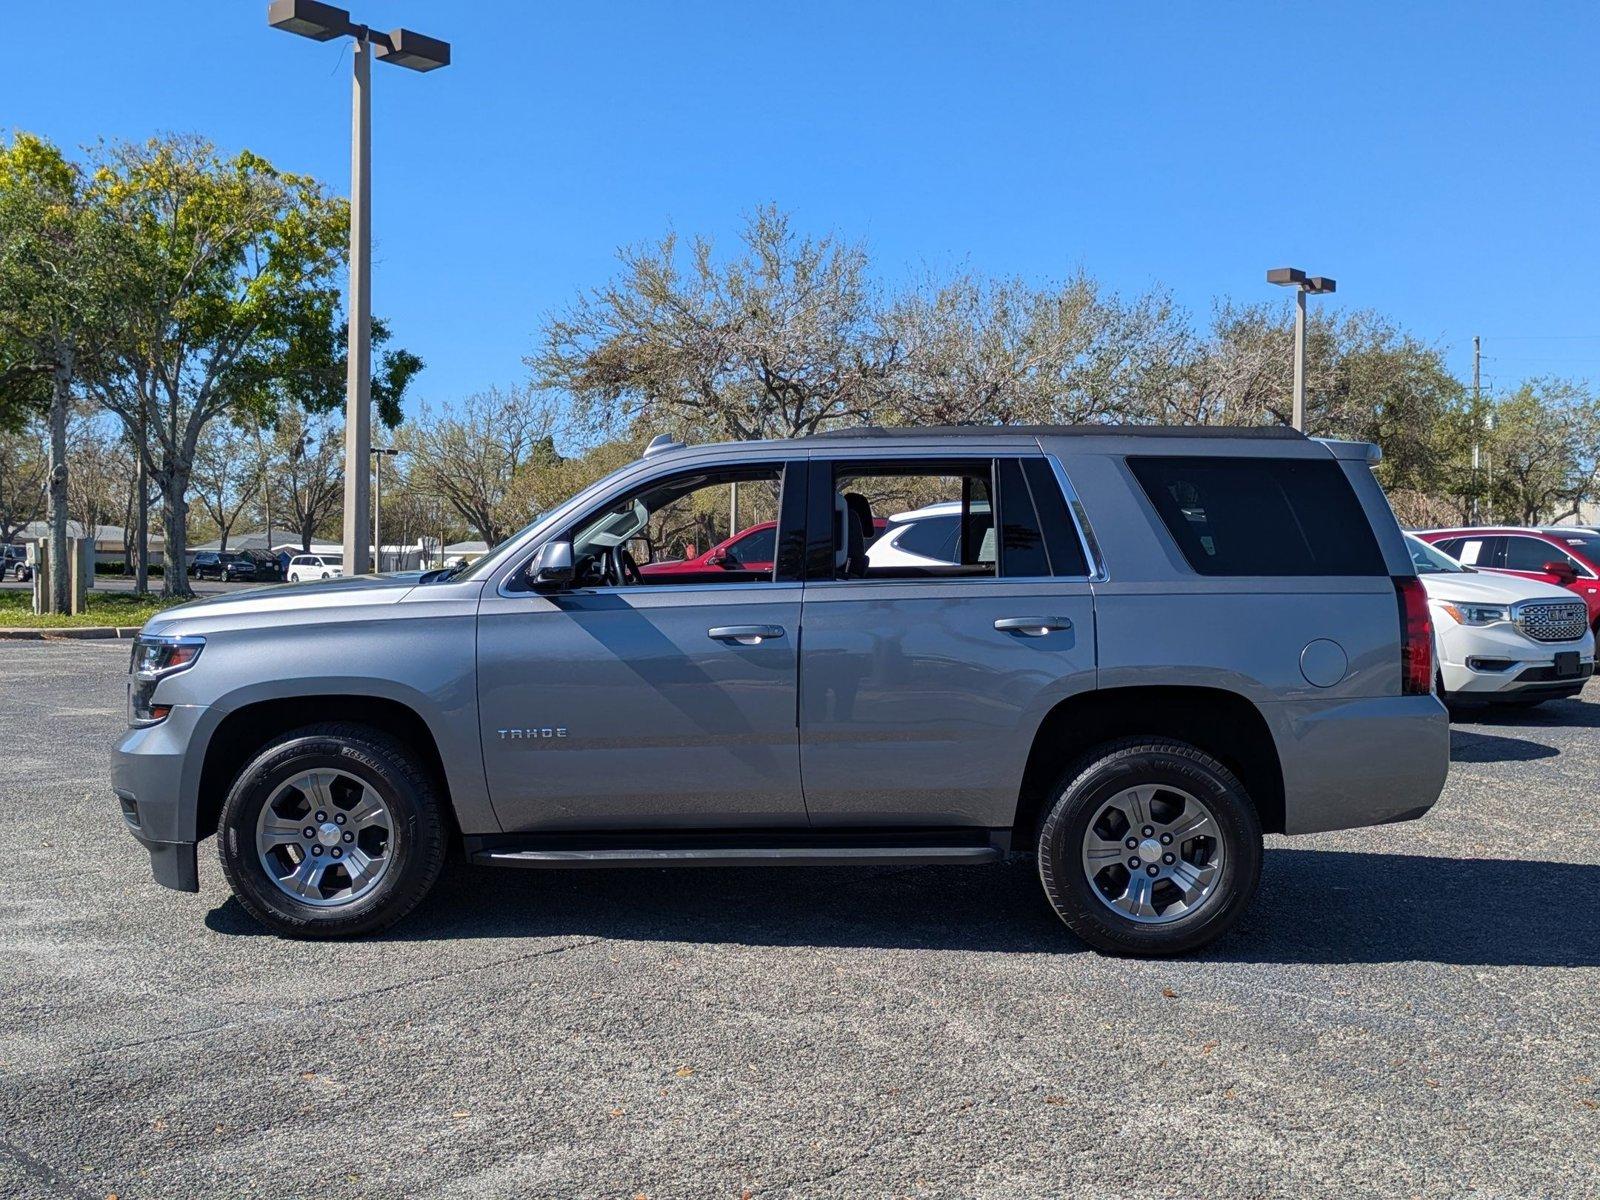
<point>1477,423</point>
<point>377,502</point>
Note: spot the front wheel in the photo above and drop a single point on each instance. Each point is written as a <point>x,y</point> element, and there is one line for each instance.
<point>331,831</point>
<point>1152,847</point>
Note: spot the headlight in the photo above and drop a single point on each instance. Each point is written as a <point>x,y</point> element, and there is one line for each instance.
<point>155,656</point>
<point>1477,614</point>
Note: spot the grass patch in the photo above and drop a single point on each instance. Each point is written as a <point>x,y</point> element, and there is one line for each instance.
<point>105,608</point>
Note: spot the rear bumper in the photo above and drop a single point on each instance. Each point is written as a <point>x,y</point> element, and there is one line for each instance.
<point>1359,762</point>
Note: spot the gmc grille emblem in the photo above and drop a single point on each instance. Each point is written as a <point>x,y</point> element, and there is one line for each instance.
<point>529,734</point>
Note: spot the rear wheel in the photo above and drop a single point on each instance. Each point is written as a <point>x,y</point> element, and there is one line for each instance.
<point>1151,847</point>
<point>331,831</point>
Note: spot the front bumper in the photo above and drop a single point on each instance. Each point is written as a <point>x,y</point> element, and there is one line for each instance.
<point>148,776</point>
<point>1497,662</point>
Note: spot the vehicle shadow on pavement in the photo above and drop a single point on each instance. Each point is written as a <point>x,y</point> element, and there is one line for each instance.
<point>1315,906</point>
<point>1553,714</point>
<point>1474,747</point>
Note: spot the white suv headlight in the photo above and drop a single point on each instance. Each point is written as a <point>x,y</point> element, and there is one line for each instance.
<point>1476,614</point>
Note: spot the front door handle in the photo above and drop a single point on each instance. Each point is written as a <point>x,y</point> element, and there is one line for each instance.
<point>1032,626</point>
<point>745,635</point>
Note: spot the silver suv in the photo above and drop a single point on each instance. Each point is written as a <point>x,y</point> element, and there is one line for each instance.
<point>1148,647</point>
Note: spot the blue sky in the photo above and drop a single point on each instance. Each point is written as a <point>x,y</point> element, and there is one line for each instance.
<point>1441,161</point>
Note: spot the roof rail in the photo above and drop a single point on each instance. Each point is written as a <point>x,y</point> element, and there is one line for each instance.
<point>661,443</point>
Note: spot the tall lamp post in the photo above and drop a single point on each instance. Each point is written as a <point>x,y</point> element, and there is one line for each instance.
<point>377,499</point>
<point>321,23</point>
<point>1316,285</point>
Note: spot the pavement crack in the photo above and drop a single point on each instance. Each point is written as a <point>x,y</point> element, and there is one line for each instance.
<point>36,1168</point>
<point>334,1001</point>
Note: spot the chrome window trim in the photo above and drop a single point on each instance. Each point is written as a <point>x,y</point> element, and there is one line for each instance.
<point>940,580</point>
<point>1080,521</point>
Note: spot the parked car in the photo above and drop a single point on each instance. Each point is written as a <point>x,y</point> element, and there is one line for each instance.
<point>1567,558</point>
<point>14,562</point>
<point>936,535</point>
<point>252,567</point>
<point>749,550</point>
<point>1502,639</point>
<point>208,564</point>
<point>304,567</point>
<point>1185,638</point>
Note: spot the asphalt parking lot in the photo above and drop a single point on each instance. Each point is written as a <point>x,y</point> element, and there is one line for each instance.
<point>1406,1011</point>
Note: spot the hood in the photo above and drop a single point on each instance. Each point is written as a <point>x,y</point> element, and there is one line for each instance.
<point>274,601</point>
<point>1485,587</point>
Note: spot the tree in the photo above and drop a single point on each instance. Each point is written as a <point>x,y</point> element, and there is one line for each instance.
<point>61,303</point>
<point>470,456</point>
<point>775,342</point>
<point>227,476</point>
<point>1544,451</point>
<point>102,478</point>
<point>24,470</point>
<point>307,471</point>
<point>974,351</point>
<point>230,273</point>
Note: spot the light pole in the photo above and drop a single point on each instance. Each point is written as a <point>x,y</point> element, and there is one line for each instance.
<point>1316,285</point>
<point>321,23</point>
<point>377,499</point>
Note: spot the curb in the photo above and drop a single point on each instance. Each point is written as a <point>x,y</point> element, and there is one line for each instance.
<point>68,633</point>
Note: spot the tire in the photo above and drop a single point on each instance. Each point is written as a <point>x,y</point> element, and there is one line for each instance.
<point>1174,778</point>
<point>349,755</point>
<point>324,574</point>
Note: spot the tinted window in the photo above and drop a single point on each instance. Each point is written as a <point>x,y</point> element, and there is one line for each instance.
<point>932,537</point>
<point>1060,534</point>
<point>1022,553</point>
<point>1529,554</point>
<point>757,548</point>
<point>1261,516</point>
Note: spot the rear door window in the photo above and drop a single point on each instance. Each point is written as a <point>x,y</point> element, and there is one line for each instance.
<point>1530,554</point>
<point>1261,516</point>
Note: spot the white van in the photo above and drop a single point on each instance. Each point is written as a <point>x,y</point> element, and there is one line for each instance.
<point>313,566</point>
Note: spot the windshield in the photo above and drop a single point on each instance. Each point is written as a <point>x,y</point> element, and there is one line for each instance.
<point>1430,561</point>
<point>486,564</point>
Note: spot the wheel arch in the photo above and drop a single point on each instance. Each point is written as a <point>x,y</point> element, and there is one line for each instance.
<point>248,727</point>
<point>1224,724</point>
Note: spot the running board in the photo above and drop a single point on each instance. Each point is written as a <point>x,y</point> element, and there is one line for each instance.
<point>733,856</point>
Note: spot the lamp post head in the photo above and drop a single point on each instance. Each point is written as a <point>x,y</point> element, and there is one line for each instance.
<point>1321,285</point>
<point>1286,276</point>
<point>309,18</point>
<point>414,51</point>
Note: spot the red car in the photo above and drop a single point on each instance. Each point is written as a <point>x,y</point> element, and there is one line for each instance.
<point>1569,558</point>
<point>750,549</point>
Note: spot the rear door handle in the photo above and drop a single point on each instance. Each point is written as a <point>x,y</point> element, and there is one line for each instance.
<point>745,635</point>
<point>1032,626</point>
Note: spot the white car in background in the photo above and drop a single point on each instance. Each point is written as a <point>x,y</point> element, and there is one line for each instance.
<point>928,537</point>
<point>303,567</point>
<point>1501,639</point>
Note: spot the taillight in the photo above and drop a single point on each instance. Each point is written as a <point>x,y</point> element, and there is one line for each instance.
<point>1416,637</point>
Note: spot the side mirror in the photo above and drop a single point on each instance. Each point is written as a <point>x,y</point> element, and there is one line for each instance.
<point>720,559</point>
<point>552,566</point>
<point>1562,570</point>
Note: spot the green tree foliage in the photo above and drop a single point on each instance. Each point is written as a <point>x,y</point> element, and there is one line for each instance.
<point>232,272</point>
<point>1543,454</point>
<point>62,304</point>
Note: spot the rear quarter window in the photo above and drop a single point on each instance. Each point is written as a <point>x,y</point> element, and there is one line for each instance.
<point>1261,516</point>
